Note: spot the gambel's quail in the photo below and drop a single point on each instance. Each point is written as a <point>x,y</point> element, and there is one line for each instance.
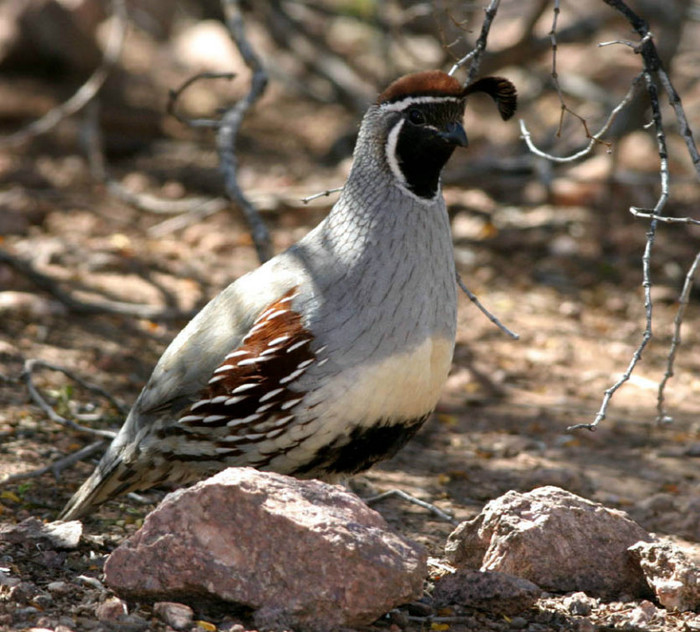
<point>330,356</point>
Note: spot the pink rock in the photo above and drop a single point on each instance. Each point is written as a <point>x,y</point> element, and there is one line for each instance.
<point>557,540</point>
<point>177,615</point>
<point>674,578</point>
<point>111,609</point>
<point>299,553</point>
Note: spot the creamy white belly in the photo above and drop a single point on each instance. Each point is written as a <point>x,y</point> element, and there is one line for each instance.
<point>403,386</point>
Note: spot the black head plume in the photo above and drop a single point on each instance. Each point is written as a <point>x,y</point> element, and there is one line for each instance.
<point>501,90</point>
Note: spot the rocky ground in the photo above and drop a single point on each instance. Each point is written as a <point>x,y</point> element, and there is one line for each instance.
<point>561,266</point>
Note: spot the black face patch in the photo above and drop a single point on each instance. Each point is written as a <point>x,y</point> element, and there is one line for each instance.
<point>422,148</point>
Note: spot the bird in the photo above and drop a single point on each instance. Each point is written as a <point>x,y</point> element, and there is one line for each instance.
<point>332,354</point>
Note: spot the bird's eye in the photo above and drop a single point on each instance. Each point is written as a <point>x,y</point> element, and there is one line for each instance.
<point>416,116</point>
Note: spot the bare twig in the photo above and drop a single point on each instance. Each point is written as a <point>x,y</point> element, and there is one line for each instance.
<point>652,62</point>
<point>684,128</point>
<point>474,56</point>
<point>50,285</point>
<point>38,398</point>
<point>57,466</point>
<point>413,500</point>
<point>472,297</point>
<point>230,124</point>
<point>593,139</point>
<point>315,196</point>
<point>87,91</point>
<point>646,258</point>
<point>663,218</point>
<point>662,416</point>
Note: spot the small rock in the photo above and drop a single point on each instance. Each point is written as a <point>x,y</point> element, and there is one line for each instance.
<point>111,609</point>
<point>177,615</point>
<point>300,553</point>
<point>518,623</point>
<point>58,588</point>
<point>496,593</point>
<point>7,580</point>
<point>642,614</point>
<point>674,578</point>
<point>557,540</point>
<point>579,603</point>
<point>60,535</point>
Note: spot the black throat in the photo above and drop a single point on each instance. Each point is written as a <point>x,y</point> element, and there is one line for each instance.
<point>421,154</point>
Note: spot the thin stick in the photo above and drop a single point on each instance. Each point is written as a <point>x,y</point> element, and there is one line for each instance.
<point>87,91</point>
<point>315,196</point>
<point>39,400</point>
<point>644,214</point>
<point>662,416</point>
<point>230,124</point>
<point>652,63</point>
<point>474,56</point>
<point>413,500</point>
<point>57,466</point>
<point>646,258</point>
<point>594,139</point>
<point>487,313</point>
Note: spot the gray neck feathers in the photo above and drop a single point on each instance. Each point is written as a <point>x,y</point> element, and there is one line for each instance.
<point>381,264</point>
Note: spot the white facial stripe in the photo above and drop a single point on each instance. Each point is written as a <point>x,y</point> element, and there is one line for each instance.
<point>400,106</point>
<point>391,144</point>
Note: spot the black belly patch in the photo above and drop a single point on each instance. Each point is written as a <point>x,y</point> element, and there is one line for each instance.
<point>360,449</point>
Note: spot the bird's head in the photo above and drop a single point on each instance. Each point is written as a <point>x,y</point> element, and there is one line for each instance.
<point>418,118</point>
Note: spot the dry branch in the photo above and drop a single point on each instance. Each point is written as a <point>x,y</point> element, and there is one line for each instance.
<point>662,415</point>
<point>476,53</point>
<point>230,123</point>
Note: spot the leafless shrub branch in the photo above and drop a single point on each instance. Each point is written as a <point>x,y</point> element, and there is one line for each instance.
<point>662,415</point>
<point>653,68</point>
<point>230,124</point>
<point>594,139</point>
<point>474,56</point>
<point>472,297</point>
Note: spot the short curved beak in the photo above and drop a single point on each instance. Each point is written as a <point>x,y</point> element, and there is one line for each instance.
<point>454,134</point>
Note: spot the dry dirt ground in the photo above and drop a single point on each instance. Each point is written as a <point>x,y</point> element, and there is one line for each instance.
<point>563,271</point>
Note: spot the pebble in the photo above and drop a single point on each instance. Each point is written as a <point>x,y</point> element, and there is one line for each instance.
<point>579,604</point>
<point>177,615</point>
<point>518,623</point>
<point>58,588</point>
<point>111,609</point>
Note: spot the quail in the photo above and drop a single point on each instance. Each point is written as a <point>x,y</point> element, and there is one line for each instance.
<point>330,356</point>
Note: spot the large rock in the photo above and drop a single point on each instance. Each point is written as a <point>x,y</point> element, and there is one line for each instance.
<point>673,576</point>
<point>555,539</point>
<point>302,554</point>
